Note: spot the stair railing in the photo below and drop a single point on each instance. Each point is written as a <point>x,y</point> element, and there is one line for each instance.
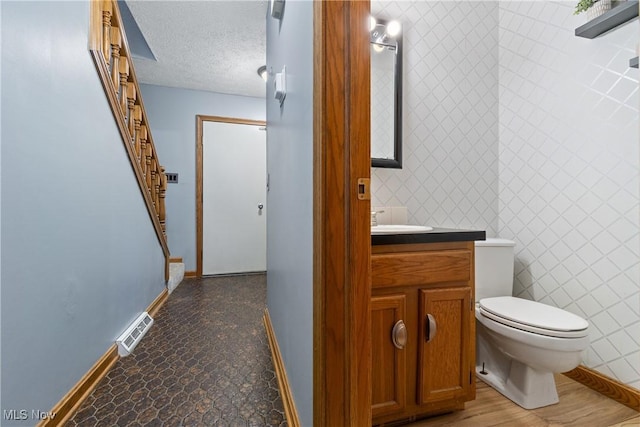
<point>112,57</point>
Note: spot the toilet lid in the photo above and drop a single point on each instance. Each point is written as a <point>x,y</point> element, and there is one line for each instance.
<point>534,317</point>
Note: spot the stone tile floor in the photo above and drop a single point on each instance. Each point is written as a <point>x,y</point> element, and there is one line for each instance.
<point>204,362</point>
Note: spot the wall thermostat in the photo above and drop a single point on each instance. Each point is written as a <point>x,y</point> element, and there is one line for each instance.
<point>277,7</point>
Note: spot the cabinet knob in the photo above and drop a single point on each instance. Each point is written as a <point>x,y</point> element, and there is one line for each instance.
<point>431,327</point>
<point>399,335</point>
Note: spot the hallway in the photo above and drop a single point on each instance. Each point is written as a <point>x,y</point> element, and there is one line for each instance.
<point>205,362</point>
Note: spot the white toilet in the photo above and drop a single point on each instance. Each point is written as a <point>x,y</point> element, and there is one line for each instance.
<point>520,344</point>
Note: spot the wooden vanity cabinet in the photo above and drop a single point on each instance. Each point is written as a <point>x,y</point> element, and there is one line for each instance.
<point>388,395</point>
<point>423,329</point>
<point>443,360</point>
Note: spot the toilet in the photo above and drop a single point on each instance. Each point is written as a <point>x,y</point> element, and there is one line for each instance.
<point>520,343</point>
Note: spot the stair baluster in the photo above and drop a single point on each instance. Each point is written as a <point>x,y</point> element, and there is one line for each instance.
<point>131,101</point>
<point>106,31</point>
<point>116,42</point>
<point>124,78</point>
<point>112,57</point>
<point>148,161</point>
<point>154,177</point>
<point>161,195</point>
<point>137,120</point>
<point>142,154</point>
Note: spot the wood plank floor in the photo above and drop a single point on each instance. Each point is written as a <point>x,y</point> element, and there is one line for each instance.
<point>579,406</point>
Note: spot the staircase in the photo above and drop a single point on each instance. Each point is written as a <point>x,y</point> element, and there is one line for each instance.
<point>111,55</point>
<point>176,274</point>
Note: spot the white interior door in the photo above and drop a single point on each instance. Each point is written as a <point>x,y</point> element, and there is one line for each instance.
<point>234,171</point>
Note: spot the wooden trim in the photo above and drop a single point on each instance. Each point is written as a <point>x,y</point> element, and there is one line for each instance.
<point>235,120</point>
<point>158,302</point>
<point>95,26</point>
<point>190,274</point>
<point>421,247</point>
<point>200,119</point>
<point>415,268</point>
<point>70,403</point>
<point>199,132</point>
<point>67,407</point>
<point>175,259</point>
<point>609,387</point>
<point>342,320</point>
<point>290,411</point>
<point>358,232</point>
<point>319,304</point>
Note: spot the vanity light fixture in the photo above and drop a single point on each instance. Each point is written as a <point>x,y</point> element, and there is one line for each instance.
<point>262,72</point>
<point>383,34</point>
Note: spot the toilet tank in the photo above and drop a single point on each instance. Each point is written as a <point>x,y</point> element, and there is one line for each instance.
<point>494,268</point>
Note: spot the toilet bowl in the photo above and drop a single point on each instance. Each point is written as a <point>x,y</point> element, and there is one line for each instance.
<point>520,344</point>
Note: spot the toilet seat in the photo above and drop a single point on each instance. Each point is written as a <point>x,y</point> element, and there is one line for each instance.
<point>533,317</point>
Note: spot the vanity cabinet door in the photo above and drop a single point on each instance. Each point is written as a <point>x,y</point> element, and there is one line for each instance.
<point>388,346</point>
<point>444,344</point>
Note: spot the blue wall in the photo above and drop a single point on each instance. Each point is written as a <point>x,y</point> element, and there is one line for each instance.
<point>80,258</point>
<point>290,198</point>
<point>172,118</point>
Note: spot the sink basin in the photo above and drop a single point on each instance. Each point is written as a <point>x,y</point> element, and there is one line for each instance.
<point>399,229</point>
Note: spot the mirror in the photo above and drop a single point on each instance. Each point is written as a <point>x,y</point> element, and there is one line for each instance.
<point>386,93</point>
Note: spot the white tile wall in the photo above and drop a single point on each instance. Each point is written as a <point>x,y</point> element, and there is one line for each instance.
<point>549,157</point>
<point>450,108</point>
<point>569,173</point>
<point>390,214</point>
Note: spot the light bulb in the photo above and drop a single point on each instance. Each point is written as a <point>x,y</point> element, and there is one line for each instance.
<point>262,72</point>
<point>372,23</point>
<point>393,28</point>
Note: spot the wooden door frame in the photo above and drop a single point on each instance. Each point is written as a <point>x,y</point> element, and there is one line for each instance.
<point>341,235</point>
<point>200,119</point>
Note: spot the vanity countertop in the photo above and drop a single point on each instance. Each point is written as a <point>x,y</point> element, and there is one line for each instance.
<point>437,235</point>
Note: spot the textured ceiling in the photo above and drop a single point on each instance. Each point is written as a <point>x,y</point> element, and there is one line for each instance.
<point>204,45</point>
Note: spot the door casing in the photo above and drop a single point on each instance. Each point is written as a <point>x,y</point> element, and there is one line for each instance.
<point>341,235</point>
<point>200,119</point>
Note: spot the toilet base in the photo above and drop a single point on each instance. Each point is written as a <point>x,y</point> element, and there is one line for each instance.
<point>523,385</point>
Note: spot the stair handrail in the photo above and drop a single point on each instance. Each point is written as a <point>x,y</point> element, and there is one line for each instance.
<point>110,52</point>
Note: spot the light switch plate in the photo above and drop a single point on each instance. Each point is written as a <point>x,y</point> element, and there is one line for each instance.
<point>277,7</point>
<point>280,85</point>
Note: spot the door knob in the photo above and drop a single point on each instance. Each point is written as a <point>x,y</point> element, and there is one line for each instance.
<point>399,335</point>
